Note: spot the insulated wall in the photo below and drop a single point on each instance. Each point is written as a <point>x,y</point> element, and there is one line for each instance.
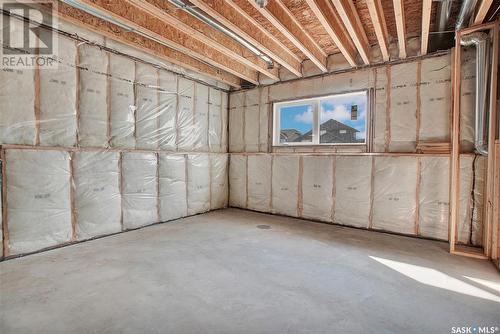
<point>198,189</point>
<point>58,121</point>
<point>54,197</point>
<point>353,176</point>
<point>172,183</point>
<point>384,184</point>
<point>238,181</point>
<point>97,196</point>
<point>406,194</point>
<point>259,182</point>
<point>17,119</point>
<point>106,142</point>
<point>139,189</point>
<point>38,186</point>
<point>218,181</point>
<point>122,101</point>
<point>410,102</point>
<point>109,100</point>
<point>92,97</point>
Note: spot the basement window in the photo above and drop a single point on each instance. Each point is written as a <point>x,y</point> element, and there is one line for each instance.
<point>338,119</point>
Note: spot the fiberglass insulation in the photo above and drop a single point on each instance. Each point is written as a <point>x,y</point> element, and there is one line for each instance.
<point>38,192</point>
<point>198,178</point>
<point>147,112</point>
<point>17,116</point>
<point>58,120</point>
<point>172,183</point>
<point>285,185</point>
<point>238,181</point>
<point>403,101</point>
<point>167,104</point>
<point>97,193</point>
<point>185,117</point>
<point>93,106</point>
<point>236,122</point>
<point>434,201</point>
<point>317,184</point>
<point>215,121</point>
<point>218,181</point>
<point>122,103</point>
<point>139,189</point>
<point>200,125</point>
<point>394,194</point>
<point>352,190</point>
<point>435,94</point>
<point>259,182</point>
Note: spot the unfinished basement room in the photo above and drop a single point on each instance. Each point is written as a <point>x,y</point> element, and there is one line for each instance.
<point>250,166</point>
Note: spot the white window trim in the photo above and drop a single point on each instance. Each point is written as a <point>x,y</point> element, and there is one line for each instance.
<point>316,104</point>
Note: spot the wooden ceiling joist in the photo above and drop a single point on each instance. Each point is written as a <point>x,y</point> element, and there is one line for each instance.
<point>400,26</point>
<point>378,20</point>
<point>169,35</point>
<point>112,31</point>
<point>283,20</point>
<point>426,25</point>
<point>351,20</point>
<point>484,7</point>
<point>330,21</point>
<point>172,15</point>
<point>270,35</point>
<point>224,12</point>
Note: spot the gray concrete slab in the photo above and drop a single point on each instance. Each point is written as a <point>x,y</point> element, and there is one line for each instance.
<point>221,273</point>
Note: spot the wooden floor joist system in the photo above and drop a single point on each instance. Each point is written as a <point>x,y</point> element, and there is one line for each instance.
<point>351,20</point>
<point>379,25</point>
<point>246,41</point>
<point>169,35</point>
<point>279,15</point>
<point>224,12</point>
<point>399,14</point>
<point>174,16</point>
<point>426,21</point>
<point>131,39</point>
<point>332,24</point>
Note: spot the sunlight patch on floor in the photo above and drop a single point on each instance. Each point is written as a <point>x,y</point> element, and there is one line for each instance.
<point>435,278</point>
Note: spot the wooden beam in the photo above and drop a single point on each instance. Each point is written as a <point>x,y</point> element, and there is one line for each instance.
<point>271,36</point>
<point>378,20</point>
<point>484,7</point>
<point>426,25</point>
<point>112,31</point>
<point>330,21</point>
<point>492,130</point>
<point>350,17</point>
<point>284,21</point>
<point>455,146</point>
<point>143,23</point>
<point>399,14</point>
<point>225,13</point>
<point>172,15</point>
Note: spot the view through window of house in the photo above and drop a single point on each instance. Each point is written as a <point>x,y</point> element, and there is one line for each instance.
<point>294,128</point>
<point>331,120</point>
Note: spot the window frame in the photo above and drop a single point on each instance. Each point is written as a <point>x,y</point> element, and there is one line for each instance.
<point>316,105</point>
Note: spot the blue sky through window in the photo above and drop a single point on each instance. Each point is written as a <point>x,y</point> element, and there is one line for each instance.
<point>290,118</point>
<point>338,107</point>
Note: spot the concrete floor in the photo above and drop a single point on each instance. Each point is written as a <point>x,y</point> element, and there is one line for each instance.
<point>221,273</point>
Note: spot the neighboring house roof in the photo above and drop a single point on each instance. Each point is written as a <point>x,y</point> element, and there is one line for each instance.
<point>329,132</point>
<point>290,134</point>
